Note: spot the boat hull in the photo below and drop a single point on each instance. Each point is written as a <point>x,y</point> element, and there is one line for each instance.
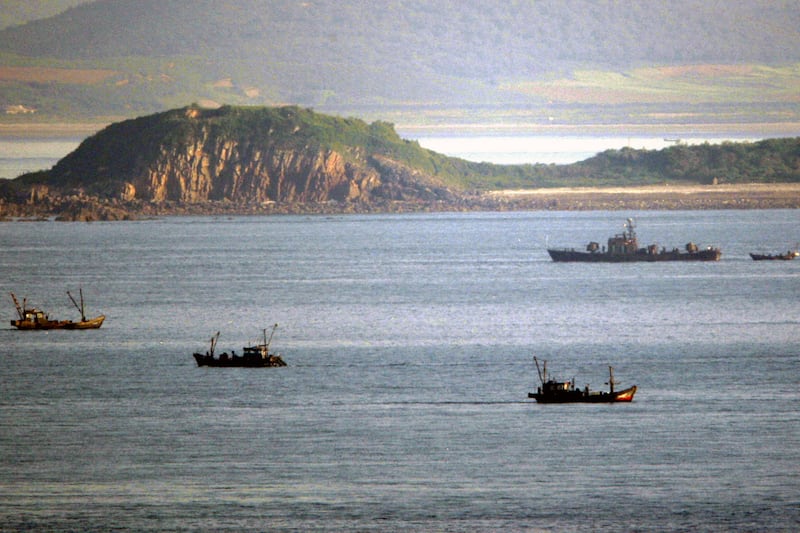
<point>582,396</point>
<point>770,257</point>
<point>225,360</point>
<point>642,256</point>
<point>92,323</point>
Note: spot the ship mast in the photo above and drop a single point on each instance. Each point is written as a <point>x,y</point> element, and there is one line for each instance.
<point>214,340</point>
<point>542,372</point>
<point>611,379</point>
<point>20,310</point>
<point>631,233</point>
<point>265,352</point>
<point>80,307</point>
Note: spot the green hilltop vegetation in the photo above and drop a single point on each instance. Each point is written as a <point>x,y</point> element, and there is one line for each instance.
<point>767,161</point>
<point>123,145</point>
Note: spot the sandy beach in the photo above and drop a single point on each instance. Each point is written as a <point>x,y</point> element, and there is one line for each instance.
<point>667,196</point>
<point>726,188</point>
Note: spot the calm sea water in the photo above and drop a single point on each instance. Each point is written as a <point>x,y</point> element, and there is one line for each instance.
<point>557,149</point>
<point>19,156</point>
<point>409,340</point>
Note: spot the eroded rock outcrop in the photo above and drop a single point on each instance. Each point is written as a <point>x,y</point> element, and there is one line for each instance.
<point>241,172</point>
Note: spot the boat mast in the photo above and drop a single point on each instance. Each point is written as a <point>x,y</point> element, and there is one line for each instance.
<point>214,340</point>
<point>267,342</point>
<point>79,307</point>
<point>631,233</point>
<point>611,379</point>
<point>20,310</point>
<point>542,375</point>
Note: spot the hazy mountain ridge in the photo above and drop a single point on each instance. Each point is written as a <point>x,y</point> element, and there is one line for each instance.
<point>516,36</point>
<point>17,12</point>
<point>359,54</point>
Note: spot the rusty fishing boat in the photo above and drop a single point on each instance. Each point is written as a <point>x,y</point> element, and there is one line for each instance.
<point>624,248</point>
<point>33,318</point>
<point>255,356</point>
<point>554,391</point>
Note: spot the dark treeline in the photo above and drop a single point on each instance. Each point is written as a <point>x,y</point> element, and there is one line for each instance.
<point>767,161</point>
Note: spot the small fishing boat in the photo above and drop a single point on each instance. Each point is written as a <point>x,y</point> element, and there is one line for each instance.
<point>256,356</point>
<point>32,318</point>
<point>788,256</point>
<point>554,391</point>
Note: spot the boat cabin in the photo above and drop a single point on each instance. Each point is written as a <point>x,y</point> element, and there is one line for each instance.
<point>558,386</point>
<point>35,316</point>
<point>625,242</point>
<point>259,351</point>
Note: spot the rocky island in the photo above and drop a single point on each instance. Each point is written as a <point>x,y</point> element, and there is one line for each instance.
<point>261,160</point>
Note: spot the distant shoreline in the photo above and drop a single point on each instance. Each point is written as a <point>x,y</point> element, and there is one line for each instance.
<point>754,129</point>
<point>649,197</point>
<point>665,189</point>
<point>655,197</point>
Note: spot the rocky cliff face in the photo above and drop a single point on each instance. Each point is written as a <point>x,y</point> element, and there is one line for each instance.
<point>241,172</point>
